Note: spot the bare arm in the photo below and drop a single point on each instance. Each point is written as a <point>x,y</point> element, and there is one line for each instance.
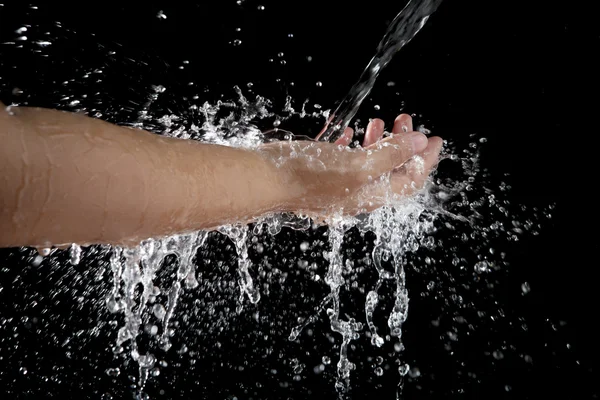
<point>68,178</point>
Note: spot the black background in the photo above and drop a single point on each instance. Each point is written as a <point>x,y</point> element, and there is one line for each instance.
<point>521,74</point>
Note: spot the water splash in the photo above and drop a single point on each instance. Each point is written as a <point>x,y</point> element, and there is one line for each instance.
<point>400,228</point>
<point>139,267</point>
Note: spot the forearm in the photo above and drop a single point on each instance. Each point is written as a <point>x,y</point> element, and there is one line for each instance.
<point>68,179</point>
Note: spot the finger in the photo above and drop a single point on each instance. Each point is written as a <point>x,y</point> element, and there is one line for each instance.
<point>414,173</point>
<point>374,132</point>
<point>389,153</point>
<point>402,123</point>
<point>346,138</point>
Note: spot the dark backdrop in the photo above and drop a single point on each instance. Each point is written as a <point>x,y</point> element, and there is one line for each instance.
<point>521,74</point>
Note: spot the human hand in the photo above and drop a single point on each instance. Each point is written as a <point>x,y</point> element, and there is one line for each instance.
<point>322,177</point>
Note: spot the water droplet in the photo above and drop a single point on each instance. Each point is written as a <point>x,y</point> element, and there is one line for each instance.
<point>403,369</point>
<point>261,8</point>
<point>151,329</point>
<point>237,42</point>
<point>304,246</point>
<point>319,84</point>
<point>161,15</point>
<point>414,372</point>
<point>159,311</point>
<point>376,107</point>
<point>113,304</point>
<point>326,360</point>
<point>146,361</point>
<point>525,288</point>
<point>481,267</point>
<point>44,251</point>
<point>37,260</point>
<point>379,371</point>
<point>113,372</point>
<point>75,254</point>
<point>377,340</point>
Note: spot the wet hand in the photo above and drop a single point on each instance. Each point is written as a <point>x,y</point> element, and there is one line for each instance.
<point>323,177</point>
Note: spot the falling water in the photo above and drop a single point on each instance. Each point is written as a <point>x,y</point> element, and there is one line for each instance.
<point>402,29</point>
<point>239,236</point>
<point>139,267</point>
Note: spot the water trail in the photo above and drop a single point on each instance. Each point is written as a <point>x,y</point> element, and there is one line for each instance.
<point>185,248</point>
<point>398,229</point>
<point>75,254</point>
<point>402,29</point>
<point>348,329</point>
<point>140,267</point>
<point>238,235</point>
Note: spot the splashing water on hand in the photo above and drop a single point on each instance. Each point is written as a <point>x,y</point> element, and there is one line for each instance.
<point>401,227</point>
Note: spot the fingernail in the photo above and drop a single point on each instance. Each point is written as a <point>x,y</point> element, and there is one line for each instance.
<point>418,141</point>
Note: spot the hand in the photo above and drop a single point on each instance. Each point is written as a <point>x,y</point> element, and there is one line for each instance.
<point>322,177</point>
